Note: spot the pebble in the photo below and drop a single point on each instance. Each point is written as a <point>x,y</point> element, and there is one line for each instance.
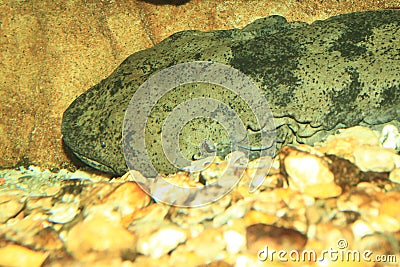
<point>235,242</point>
<point>257,171</point>
<point>272,202</point>
<point>385,223</point>
<point>185,217</point>
<point>379,244</point>
<point>390,137</point>
<point>288,205</point>
<point>309,174</point>
<point>45,203</point>
<point>161,242</point>
<point>394,176</point>
<point>11,203</point>
<point>374,159</point>
<point>24,229</point>
<point>214,170</point>
<point>99,237</point>
<point>17,256</point>
<point>63,212</point>
<point>47,239</point>
<point>345,141</point>
<point>258,236</point>
<point>151,213</point>
<point>254,217</point>
<point>127,198</point>
<point>236,210</point>
<point>171,189</point>
<point>390,205</point>
<point>359,200</point>
<point>361,228</point>
<point>210,245</point>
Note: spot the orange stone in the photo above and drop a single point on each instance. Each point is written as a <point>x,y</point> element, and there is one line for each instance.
<point>128,198</point>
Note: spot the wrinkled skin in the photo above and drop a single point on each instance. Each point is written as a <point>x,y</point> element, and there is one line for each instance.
<point>318,77</point>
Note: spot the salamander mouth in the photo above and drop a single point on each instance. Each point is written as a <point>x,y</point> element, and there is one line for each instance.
<point>95,164</point>
<point>80,159</point>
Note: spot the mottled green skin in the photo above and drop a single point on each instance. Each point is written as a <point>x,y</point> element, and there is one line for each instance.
<point>340,72</point>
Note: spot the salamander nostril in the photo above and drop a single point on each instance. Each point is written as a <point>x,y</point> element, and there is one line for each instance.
<point>103,144</point>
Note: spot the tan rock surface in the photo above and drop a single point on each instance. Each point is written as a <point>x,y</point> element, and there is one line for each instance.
<point>14,255</point>
<point>52,51</point>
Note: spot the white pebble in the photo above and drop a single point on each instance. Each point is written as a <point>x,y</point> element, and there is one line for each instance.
<point>237,210</point>
<point>360,229</point>
<point>161,242</point>
<point>235,242</point>
<point>374,159</point>
<point>394,176</point>
<point>390,137</point>
<point>63,212</point>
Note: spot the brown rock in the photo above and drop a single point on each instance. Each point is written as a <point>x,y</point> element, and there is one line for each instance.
<point>260,235</point>
<point>48,239</point>
<point>346,173</point>
<point>380,244</point>
<point>98,237</point>
<point>127,199</point>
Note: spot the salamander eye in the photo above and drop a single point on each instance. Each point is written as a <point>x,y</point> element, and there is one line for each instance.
<point>103,144</point>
